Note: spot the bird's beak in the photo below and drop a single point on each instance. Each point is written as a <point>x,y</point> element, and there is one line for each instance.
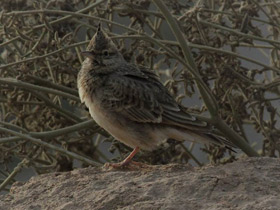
<point>87,54</point>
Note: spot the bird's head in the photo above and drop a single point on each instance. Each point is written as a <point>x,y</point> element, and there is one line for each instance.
<point>102,50</point>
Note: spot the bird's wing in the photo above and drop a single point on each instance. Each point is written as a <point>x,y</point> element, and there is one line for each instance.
<point>141,97</point>
<point>133,97</point>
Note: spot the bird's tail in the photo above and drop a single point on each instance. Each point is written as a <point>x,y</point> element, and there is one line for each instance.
<point>221,141</point>
<point>195,136</point>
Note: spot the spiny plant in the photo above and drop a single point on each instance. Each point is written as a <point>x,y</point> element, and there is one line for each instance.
<point>205,53</point>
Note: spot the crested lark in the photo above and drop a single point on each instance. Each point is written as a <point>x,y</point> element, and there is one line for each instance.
<point>131,103</point>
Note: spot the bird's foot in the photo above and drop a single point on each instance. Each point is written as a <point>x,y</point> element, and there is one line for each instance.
<point>130,165</point>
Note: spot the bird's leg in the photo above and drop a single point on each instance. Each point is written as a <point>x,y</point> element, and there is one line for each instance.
<point>129,157</point>
<point>126,161</point>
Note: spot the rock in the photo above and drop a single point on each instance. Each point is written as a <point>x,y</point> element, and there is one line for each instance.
<point>251,184</point>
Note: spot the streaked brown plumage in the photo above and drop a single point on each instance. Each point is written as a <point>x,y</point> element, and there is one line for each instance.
<point>131,103</point>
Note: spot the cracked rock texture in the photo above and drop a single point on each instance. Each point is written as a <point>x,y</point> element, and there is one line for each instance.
<point>251,184</point>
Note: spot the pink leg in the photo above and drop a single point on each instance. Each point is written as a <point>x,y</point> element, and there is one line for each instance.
<point>126,161</point>
<point>129,157</point>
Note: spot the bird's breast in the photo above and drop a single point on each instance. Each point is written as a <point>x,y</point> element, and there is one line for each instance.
<point>106,119</point>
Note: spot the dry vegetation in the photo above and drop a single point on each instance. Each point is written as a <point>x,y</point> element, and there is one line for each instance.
<point>43,122</point>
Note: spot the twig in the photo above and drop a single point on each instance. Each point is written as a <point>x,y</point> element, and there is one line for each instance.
<point>54,22</point>
<point>28,86</point>
<point>50,146</point>
<point>191,155</point>
<point>17,169</point>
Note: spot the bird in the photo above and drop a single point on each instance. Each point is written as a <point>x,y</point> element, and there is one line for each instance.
<point>131,103</point>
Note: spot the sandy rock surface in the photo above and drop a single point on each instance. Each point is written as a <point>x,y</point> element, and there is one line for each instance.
<point>251,184</point>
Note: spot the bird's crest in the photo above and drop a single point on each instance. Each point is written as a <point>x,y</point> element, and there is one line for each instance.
<point>100,41</point>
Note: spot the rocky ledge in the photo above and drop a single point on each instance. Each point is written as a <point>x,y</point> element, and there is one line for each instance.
<point>251,184</point>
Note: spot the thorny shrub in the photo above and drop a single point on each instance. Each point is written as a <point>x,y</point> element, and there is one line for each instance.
<point>40,57</point>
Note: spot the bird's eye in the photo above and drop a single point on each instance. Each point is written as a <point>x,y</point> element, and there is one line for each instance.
<point>105,53</point>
